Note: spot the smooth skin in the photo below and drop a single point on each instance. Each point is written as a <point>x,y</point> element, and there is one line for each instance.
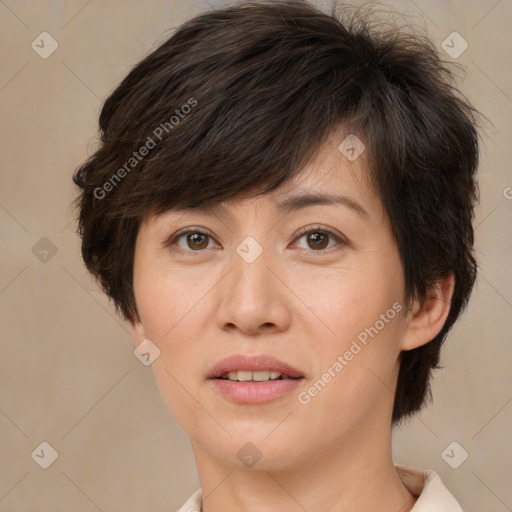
<point>303,300</point>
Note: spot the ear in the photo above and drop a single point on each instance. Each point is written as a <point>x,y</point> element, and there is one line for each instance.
<point>427,318</point>
<point>137,331</point>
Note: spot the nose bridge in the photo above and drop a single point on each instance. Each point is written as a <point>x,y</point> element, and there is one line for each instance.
<point>252,297</point>
<point>253,253</point>
<point>251,274</point>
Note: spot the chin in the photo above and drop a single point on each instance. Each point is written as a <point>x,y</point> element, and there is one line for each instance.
<point>258,452</point>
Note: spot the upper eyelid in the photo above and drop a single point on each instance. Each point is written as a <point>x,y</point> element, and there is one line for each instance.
<point>171,240</point>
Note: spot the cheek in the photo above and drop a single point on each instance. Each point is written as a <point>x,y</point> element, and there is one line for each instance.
<point>356,358</point>
<point>355,380</point>
<point>346,301</point>
<point>173,309</point>
<point>171,314</point>
<point>167,296</point>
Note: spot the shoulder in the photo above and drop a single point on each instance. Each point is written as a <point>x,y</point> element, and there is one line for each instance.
<point>193,504</point>
<point>426,484</point>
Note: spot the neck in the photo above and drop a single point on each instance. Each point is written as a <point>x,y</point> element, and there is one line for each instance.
<point>356,473</point>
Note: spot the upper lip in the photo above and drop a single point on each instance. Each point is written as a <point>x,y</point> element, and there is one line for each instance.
<point>252,363</point>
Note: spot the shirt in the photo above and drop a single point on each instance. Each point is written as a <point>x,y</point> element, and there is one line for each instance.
<point>425,484</point>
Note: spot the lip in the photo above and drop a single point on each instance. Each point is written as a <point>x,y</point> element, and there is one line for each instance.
<point>253,392</point>
<point>252,363</point>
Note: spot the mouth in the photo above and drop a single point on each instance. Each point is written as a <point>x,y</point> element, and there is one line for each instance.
<point>250,367</point>
<point>258,376</point>
<point>253,379</point>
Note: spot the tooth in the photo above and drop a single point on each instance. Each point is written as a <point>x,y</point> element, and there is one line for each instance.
<point>245,376</point>
<point>264,375</point>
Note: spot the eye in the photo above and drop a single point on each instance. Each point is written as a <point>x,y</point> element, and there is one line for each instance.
<point>194,239</point>
<point>197,239</point>
<point>317,238</point>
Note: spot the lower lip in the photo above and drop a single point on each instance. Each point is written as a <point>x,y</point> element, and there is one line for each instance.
<point>255,392</point>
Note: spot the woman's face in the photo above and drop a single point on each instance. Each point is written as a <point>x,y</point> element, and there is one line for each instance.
<point>249,280</point>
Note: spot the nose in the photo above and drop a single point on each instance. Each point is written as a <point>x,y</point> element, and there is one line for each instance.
<point>254,296</point>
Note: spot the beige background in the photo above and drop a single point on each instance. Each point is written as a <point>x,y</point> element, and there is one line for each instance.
<point>67,369</point>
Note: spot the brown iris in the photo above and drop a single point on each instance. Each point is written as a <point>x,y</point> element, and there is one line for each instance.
<point>320,240</point>
<point>194,237</point>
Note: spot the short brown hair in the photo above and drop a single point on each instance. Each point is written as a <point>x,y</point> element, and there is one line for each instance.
<point>239,99</point>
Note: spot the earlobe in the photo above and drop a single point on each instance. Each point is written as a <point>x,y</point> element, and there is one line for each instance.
<point>427,319</point>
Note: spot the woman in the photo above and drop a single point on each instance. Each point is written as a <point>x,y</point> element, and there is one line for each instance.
<point>282,209</point>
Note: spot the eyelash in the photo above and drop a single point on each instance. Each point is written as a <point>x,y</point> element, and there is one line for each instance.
<point>300,234</point>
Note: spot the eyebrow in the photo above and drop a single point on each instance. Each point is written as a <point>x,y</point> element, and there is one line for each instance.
<point>297,202</point>
<point>291,204</point>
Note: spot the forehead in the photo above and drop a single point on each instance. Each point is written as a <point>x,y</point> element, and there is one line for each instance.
<point>329,178</point>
